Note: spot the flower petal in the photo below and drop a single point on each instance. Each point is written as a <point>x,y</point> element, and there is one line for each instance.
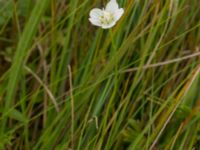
<point>106,26</point>
<point>95,22</point>
<point>112,6</point>
<point>118,14</point>
<point>95,13</point>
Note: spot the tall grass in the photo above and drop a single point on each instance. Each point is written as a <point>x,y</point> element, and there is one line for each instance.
<point>65,84</point>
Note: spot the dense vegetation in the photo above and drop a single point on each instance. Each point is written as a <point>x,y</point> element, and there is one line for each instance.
<point>65,84</point>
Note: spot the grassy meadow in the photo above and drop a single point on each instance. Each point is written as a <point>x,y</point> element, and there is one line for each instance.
<point>68,85</point>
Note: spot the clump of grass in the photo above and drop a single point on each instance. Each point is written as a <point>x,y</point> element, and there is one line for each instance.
<point>65,84</point>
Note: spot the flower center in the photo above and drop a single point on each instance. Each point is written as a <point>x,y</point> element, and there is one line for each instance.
<point>106,17</point>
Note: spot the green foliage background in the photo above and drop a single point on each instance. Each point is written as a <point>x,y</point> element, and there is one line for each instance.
<point>65,84</point>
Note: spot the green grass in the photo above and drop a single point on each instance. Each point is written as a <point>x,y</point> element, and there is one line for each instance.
<point>65,84</point>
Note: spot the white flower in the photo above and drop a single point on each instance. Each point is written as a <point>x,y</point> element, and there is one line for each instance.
<point>106,18</point>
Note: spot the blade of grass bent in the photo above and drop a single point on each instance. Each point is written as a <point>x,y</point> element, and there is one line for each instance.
<point>22,48</point>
